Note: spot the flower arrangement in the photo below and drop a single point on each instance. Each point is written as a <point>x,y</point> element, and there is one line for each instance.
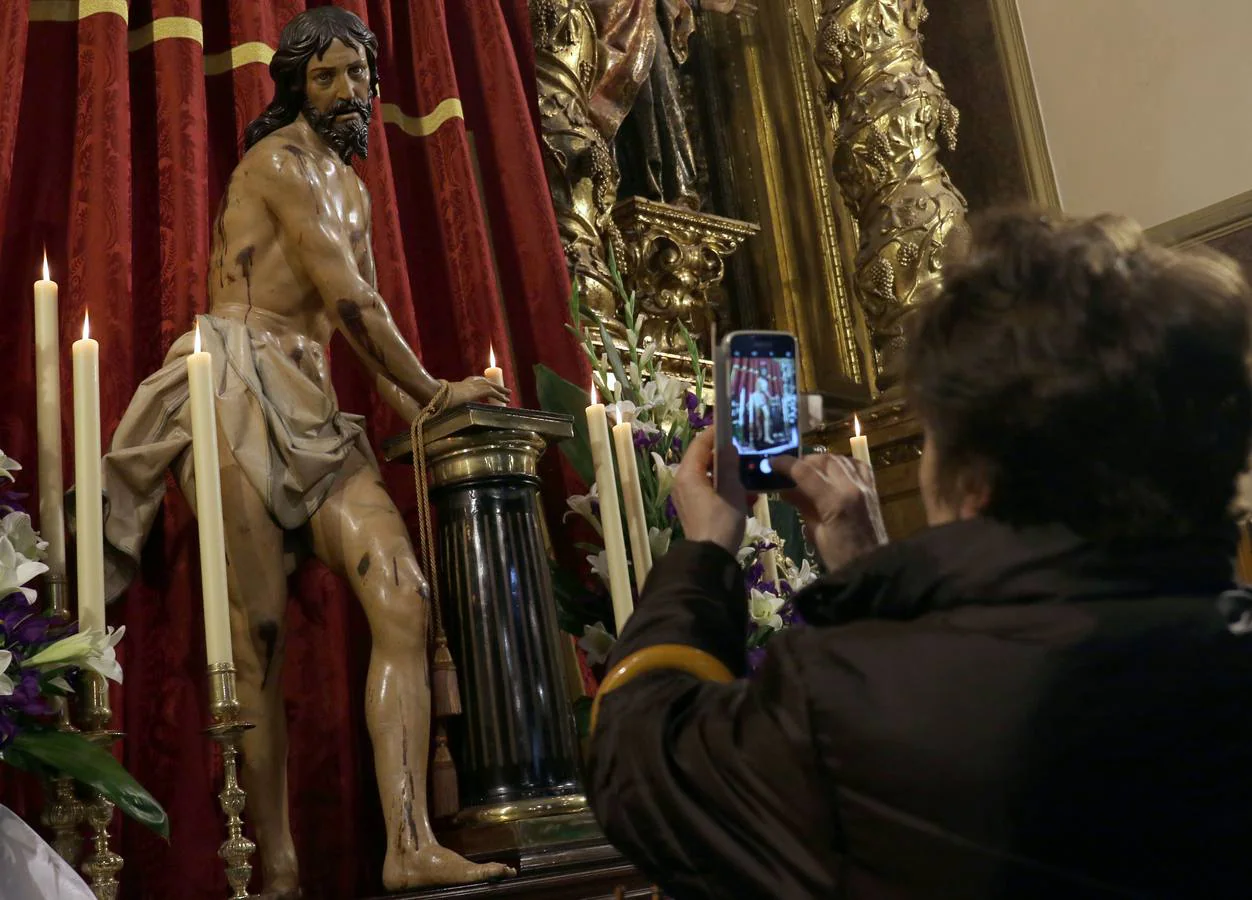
<point>665,412</point>
<point>40,660</point>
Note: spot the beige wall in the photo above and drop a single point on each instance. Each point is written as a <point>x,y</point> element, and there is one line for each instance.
<point>1147,104</point>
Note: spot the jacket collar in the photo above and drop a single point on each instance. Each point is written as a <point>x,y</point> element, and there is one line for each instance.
<point>982,561</point>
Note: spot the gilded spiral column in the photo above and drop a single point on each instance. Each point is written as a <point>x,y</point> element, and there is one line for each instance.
<point>579,165</point>
<point>888,111</point>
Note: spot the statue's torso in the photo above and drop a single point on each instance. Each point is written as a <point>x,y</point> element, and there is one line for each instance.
<point>256,274</point>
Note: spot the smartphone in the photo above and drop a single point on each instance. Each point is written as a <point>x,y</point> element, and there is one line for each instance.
<point>758,404</point>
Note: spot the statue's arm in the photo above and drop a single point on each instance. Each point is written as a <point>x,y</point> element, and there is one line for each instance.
<point>404,405</point>
<point>353,304</point>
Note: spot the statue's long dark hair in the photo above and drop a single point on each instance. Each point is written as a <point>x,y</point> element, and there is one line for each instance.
<point>307,35</point>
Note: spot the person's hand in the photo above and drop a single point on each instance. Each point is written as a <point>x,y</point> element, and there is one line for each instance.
<point>476,390</point>
<point>833,494</point>
<point>743,9</point>
<point>712,514</point>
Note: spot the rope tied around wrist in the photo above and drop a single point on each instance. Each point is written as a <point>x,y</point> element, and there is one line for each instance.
<point>445,694</point>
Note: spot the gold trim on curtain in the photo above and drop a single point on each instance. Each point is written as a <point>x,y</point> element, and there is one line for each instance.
<point>220,63</point>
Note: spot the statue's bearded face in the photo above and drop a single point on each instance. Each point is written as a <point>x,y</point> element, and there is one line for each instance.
<point>337,99</point>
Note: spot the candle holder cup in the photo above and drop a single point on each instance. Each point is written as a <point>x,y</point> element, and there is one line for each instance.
<point>227,731</point>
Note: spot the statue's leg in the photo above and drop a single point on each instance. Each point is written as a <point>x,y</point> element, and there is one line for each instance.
<point>257,584</point>
<point>359,533</point>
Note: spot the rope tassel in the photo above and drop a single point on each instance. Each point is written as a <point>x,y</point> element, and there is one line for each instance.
<point>445,693</point>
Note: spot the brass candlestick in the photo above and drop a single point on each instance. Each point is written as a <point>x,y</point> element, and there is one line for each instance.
<point>102,865</point>
<point>227,729</point>
<point>65,812</point>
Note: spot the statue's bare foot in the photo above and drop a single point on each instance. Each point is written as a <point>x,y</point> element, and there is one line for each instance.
<point>434,865</point>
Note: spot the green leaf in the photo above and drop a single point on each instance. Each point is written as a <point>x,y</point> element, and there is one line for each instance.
<point>615,360</point>
<point>694,352</point>
<point>560,396</point>
<point>72,754</point>
<point>575,299</point>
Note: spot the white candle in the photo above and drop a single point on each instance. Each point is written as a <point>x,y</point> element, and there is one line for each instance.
<point>209,505</point>
<point>632,495</point>
<point>610,514</point>
<point>48,422</point>
<point>494,373</point>
<point>769,559</point>
<point>88,503</point>
<point>859,443</point>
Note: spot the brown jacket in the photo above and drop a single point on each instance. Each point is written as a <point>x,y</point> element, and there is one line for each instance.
<point>977,712</point>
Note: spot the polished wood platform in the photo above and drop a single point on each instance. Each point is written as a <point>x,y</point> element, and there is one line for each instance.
<point>606,880</point>
<point>590,870</point>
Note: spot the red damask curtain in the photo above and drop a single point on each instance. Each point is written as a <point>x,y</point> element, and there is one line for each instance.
<point>119,124</point>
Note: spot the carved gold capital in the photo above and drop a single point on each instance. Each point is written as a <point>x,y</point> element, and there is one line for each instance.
<point>674,261</point>
<point>888,111</point>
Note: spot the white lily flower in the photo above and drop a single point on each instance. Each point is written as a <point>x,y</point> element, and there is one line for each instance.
<point>17,528</point>
<point>663,392</point>
<point>60,682</point>
<point>659,540</point>
<point>596,642</point>
<point>639,426</point>
<point>581,504</point>
<point>600,565</point>
<point>802,577</point>
<point>763,608</point>
<point>753,533</point>
<point>69,651</point>
<point>16,570</point>
<point>8,465</point>
<point>104,660</point>
<point>624,411</point>
<point>649,351</point>
<point>6,683</point>
<point>664,476</point>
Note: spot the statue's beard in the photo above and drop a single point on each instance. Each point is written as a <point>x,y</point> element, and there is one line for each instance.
<point>349,137</point>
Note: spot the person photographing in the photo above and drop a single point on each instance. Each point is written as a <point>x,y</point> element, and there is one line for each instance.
<point>1042,695</point>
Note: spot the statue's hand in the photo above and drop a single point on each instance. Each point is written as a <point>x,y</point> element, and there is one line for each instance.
<point>743,9</point>
<point>476,390</point>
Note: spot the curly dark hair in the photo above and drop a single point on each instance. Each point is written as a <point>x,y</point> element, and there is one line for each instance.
<point>307,35</point>
<point>1097,380</point>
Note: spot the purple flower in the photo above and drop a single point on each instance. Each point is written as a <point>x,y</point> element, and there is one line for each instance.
<point>646,440</point>
<point>694,419</point>
<point>21,622</point>
<point>756,656</point>
<point>677,444</point>
<point>671,511</point>
<point>26,698</point>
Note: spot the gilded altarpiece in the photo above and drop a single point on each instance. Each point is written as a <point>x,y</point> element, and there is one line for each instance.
<point>767,141</point>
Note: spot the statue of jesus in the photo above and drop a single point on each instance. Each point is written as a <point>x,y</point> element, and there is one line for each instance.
<point>291,263</point>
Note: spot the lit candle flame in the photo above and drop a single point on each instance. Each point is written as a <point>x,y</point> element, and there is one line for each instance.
<point>617,412</point>
<point>196,344</point>
<point>46,275</point>
<point>593,390</point>
<point>856,423</point>
<point>86,325</point>
<point>491,356</point>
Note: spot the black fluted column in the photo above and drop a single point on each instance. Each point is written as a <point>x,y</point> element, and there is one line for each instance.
<point>516,744</point>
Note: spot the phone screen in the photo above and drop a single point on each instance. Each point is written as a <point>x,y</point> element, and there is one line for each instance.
<point>763,403</point>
